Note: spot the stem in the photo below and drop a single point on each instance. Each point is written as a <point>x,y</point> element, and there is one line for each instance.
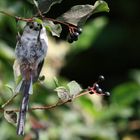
<point>24,19</point>
<point>16,17</point>
<point>9,101</point>
<point>7,14</point>
<point>61,22</point>
<point>40,14</point>
<point>49,106</point>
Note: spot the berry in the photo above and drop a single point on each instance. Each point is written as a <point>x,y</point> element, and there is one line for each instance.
<point>69,38</point>
<point>99,90</point>
<point>72,36</point>
<point>79,30</point>
<point>107,93</point>
<point>96,86</point>
<point>75,36</point>
<point>101,78</point>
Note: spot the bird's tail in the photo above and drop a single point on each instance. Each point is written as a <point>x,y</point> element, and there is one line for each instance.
<point>26,89</point>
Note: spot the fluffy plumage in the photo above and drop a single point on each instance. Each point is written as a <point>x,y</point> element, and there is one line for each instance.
<point>30,52</point>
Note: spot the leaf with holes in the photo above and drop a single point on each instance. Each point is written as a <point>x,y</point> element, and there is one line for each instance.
<point>78,14</point>
<point>62,93</point>
<point>55,29</point>
<point>10,116</point>
<point>74,88</point>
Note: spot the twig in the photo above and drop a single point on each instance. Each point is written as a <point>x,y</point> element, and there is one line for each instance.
<point>7,14</point>
<point>9,101</point>
<point>24,19</point>
<point>69,25</point>
<point>49,106</point>
<point>61,22</point>
<point>17,18</point>
<point>58,104</point>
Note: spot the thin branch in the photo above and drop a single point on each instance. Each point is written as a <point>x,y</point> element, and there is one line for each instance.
<point>16,17</point>
<point>42,17</point>
<point>59,103</point>
<point>9,101</point>
<point>7,14</point>
<point>49,106</point>
<point>31,19</point>
<point>61,22</point>
<point>24,19</point>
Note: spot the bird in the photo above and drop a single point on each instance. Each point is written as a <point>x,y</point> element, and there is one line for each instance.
<point>30,51</point>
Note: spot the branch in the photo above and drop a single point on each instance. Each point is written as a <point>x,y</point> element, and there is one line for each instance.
<point>42,17</point>
<point>59,103</point>
<point>9,101</point>
<point>61,22</point>
<point>95,89</point>
<point>16,17</point>
<point>49,106</point>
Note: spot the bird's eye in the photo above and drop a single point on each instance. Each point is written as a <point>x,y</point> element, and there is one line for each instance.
<point>31,26</point>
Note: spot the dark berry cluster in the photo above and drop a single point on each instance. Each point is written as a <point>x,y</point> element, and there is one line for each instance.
<point>74,34</point>
<point>96,88</point>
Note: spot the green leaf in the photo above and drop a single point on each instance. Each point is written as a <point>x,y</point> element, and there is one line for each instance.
<point>101,6</point>
<point>38,20</point>
<point>55,29</point>
<point>89,36</point>
<point>78,14</point>
<point>126,94</point>
<point>10,116</point>
<point>74,88</point>
<point>62,93</point>
<point>45,5</point>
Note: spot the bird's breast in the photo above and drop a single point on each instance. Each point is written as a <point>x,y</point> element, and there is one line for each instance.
<point>30,49</point>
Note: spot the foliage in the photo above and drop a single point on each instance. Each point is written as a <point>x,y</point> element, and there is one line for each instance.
<point>78,14</point>
<point>88,117</point>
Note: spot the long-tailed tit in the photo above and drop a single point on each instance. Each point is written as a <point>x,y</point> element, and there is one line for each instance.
<point>30,52</point>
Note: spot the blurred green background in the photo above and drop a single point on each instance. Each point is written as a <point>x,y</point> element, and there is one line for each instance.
<point>109,45</point>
